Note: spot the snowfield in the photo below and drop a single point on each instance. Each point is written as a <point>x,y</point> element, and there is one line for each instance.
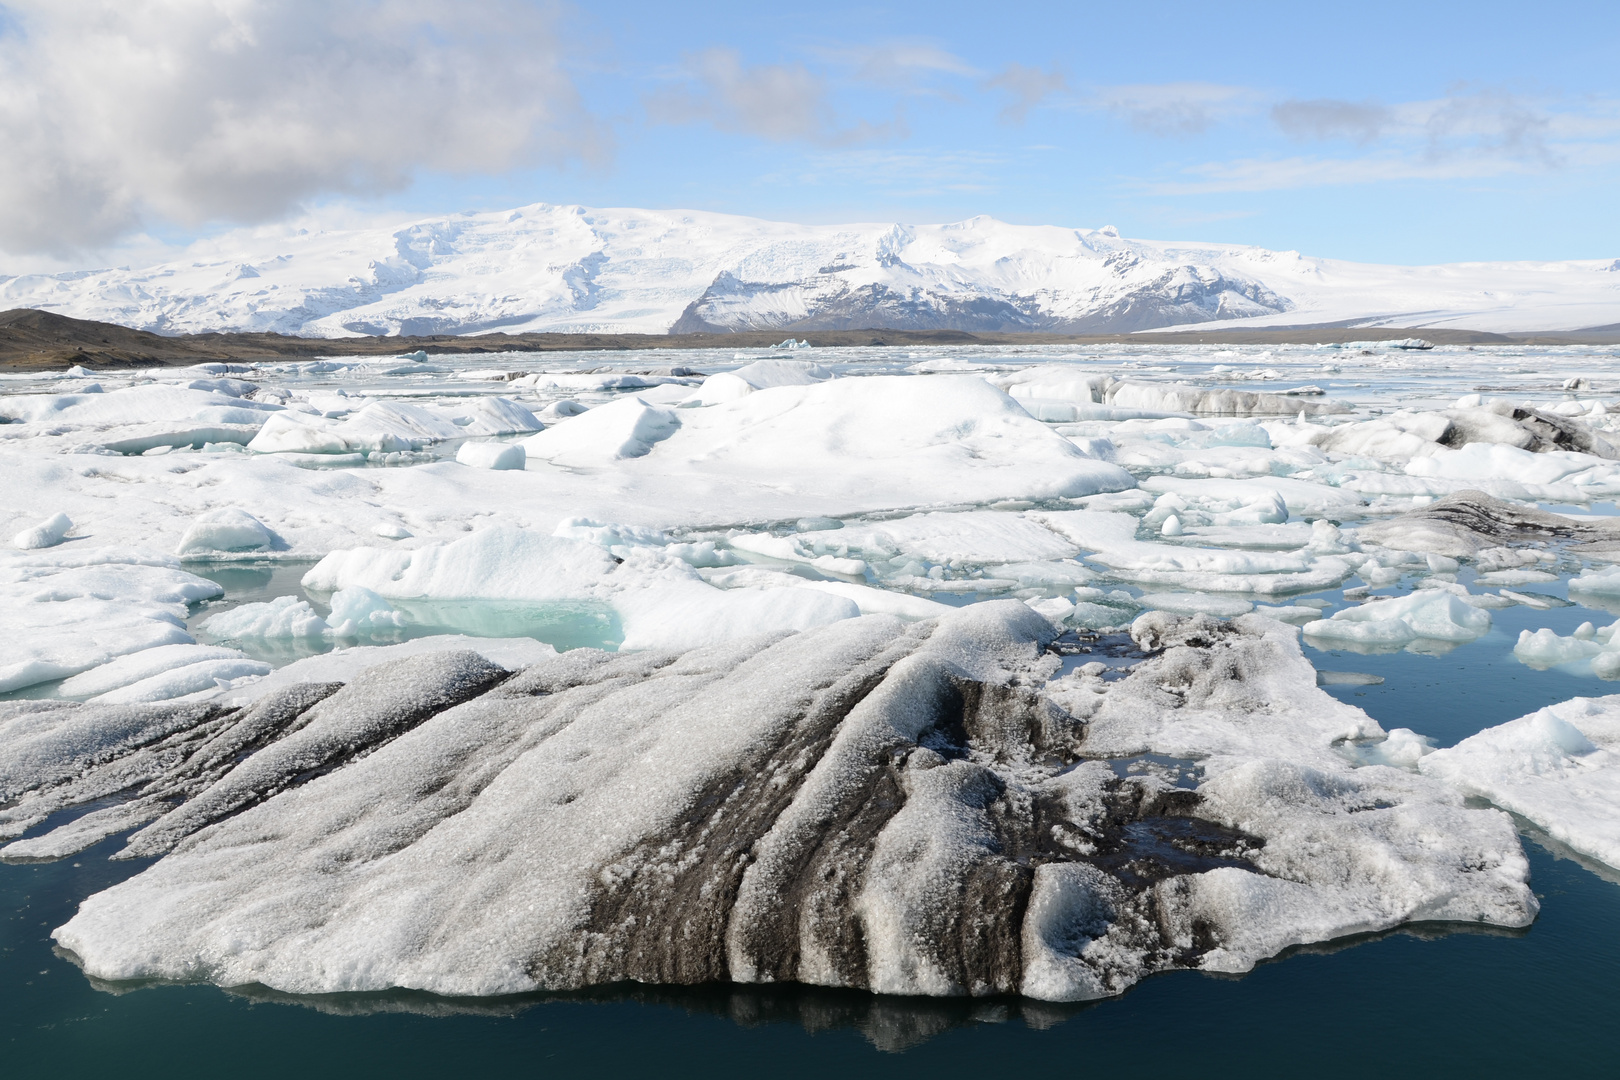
<point>957,672</point>
<point>580,269</point>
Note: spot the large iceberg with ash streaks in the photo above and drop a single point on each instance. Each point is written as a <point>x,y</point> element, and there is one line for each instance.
<point>909,808</point>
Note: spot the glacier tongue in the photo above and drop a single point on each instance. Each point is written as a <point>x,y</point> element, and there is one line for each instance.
<point>910,808</point>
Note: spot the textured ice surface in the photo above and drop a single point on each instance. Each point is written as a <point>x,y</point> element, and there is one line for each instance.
<point>1559,767</point>
<point>661,600</point>
<point>626,428</point>
<point>1110,539</point>
<point>383,427</point>
<point>910,808</point>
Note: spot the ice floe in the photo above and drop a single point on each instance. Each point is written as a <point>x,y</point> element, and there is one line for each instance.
<point>69,609</point>
<point>1558,767</point>
<point>1430,615</point>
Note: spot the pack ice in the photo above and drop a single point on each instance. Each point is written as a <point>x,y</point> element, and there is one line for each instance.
<point>807,759</point>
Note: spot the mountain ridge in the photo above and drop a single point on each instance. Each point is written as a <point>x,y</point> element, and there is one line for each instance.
<point>574,269</point>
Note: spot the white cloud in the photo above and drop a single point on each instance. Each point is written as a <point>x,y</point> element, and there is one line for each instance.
<point>1326,118</point>
<point>119,113</point>
<point>906,65</point>
<point>1466,123</point>
<point>779,102</point>
<point>1485,122</point>
<point>1029,86</point>
<point>1174,109</point>
<point>1469,134</point>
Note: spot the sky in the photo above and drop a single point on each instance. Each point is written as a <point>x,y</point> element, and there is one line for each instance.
<point>1379,132</point>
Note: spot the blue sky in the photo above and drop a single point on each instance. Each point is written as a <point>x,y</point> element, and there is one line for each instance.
<point>1384,132</point>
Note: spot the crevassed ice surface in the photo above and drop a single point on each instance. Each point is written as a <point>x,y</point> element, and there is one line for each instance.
<point>226,521</point>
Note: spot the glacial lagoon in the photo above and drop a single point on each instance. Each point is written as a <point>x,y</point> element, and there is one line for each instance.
<point>1423,996</point>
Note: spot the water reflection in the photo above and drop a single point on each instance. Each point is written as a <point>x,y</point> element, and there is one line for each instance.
<point>890,1024</point>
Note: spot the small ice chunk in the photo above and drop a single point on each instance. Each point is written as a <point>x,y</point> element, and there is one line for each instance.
<point>1402,748</point>
<point>357,610</point>
<point>1514,577</point>
<point>283,617</point>
<point>1347,678</point>
<point>226,529</point>
<point>1289,613</point>
<point>1432,614</point>
<point>561,410</point>
<point>1543,648</point>
<point>609,535</point>
<point>393,530</point>
<point>1605,582</point>
<point>47,533</point>
<point>1055,608</point>
<point>492,455</point>
<point>1171,526</point>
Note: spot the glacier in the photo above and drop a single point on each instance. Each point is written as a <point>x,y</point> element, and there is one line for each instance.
<point>580,269</point>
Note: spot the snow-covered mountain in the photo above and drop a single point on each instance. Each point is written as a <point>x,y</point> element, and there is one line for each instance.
<point>573,268</point>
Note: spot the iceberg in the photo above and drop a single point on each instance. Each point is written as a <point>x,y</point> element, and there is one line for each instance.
<point>919,816</point>
<point>1426,615</point>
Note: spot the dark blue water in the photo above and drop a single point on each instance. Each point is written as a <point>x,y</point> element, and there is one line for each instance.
<point>1433,1001</point>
